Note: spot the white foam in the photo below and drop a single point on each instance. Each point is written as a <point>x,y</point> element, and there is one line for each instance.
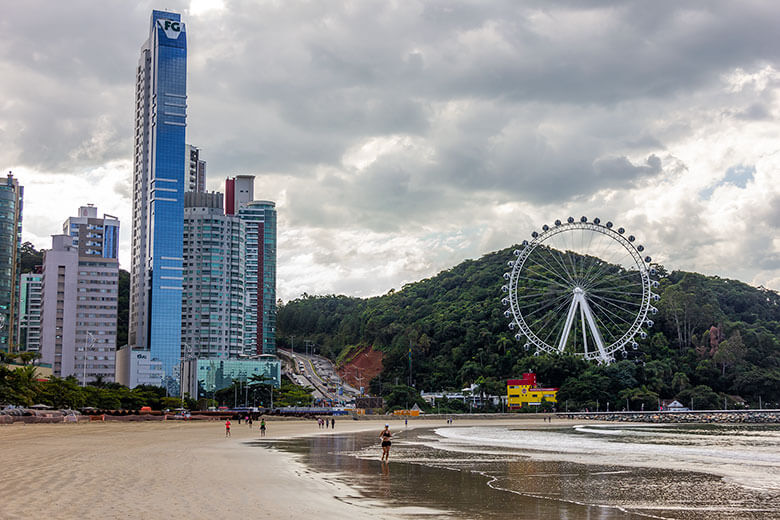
<point>749,458</point>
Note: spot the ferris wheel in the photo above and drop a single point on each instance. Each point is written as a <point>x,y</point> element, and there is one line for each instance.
<point>580,287</point>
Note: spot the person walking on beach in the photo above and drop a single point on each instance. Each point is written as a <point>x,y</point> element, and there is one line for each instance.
<point>385,437</point>
<point>227,428</point>
<point>332,423</point>
<point>262,427</point>
<point>249,421</point>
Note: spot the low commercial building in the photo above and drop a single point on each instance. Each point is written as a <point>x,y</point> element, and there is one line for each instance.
<point>135,366</point>
<point>201,377</point>
<point>525,392</point>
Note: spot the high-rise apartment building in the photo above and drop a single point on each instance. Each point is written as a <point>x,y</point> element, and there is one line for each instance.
<point>238,191</point>
<point>158,192</point>
<point>29,333</point>
<point>214,270</point>
<point>11,198</point>
<point>195,178</point>
<point>95,237</point>
<point>260,320</point>
<point>80,291</point>
<point>260,218</point>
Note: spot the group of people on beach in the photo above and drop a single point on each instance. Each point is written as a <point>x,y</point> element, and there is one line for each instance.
<point>249,422</point>
<point>384,437</point>
<point>323,423</point>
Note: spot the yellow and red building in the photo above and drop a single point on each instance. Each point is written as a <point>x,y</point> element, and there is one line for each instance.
<point>525,392</point>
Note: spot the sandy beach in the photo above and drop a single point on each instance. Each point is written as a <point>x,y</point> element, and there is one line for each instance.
<point>173,470</point>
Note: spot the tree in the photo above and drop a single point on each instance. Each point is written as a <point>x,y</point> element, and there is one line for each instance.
<point>18,386</point>
<point>403,397</point>
<point>680,382</point>
<point>29,258</point>
<point>640,398</point>
<point>730,351</point>
<point>701,397</point>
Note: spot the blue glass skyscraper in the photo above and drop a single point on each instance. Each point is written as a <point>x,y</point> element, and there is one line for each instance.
<point>158,191</point>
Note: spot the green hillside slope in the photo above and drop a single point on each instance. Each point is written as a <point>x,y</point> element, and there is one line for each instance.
<point>713,339</point>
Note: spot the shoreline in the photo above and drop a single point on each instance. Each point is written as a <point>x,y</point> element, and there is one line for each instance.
<point>473,481</point>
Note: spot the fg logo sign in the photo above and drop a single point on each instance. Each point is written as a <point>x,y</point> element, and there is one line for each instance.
<point>172,29</point>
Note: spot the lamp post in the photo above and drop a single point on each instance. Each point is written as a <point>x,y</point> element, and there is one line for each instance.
<point>88,341</point>
<point>186,357</point>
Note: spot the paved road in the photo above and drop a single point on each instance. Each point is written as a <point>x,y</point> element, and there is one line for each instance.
<point>317,372</point>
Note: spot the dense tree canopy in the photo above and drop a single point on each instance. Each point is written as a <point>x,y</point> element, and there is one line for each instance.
<point>712,337</point>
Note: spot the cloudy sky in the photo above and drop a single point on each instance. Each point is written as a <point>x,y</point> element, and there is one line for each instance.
<point>400,138</point>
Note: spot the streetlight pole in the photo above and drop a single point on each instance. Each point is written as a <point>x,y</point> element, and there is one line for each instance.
<point>87,340</point>
<point>185,358</point>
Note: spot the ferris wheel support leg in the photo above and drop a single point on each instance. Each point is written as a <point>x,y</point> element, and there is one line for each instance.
<point>567,326</point>
<point>584,335</point>
<point>593,329</point>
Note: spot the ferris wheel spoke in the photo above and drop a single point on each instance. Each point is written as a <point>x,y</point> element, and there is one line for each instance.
<point>607,329</point>
<point>613,279</point>
<point>610,263</point>
<point>555,253</point>
<point>539,275</point>
<point>573,264</point>
<point>609,312</point>
<point>566,279</point>
<point>615,291</point>
<point>556,256</point>
<point>596,263</point>
<point>611,258</point>
<point>542,294</point>
<point>549,303</point>
<point>558,323</point>
<point>614,301</point>
<point>616,311</point>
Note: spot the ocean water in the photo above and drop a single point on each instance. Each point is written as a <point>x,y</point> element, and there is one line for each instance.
<point>687,472</point>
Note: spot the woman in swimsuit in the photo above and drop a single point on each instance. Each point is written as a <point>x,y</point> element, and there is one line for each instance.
<point>385,436</point>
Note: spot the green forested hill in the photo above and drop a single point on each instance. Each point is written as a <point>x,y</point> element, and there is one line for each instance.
<point>713,339</point>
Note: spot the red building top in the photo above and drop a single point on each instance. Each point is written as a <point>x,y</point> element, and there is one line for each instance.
<point>529,379</point>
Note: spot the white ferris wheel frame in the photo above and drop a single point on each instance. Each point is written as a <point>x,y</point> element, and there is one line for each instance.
<point>603,353</point>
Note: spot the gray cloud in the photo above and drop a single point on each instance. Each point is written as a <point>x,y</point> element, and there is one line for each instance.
<point>544,108</point>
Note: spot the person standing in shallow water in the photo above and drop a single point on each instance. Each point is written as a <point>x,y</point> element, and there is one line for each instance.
<point>385,436</point>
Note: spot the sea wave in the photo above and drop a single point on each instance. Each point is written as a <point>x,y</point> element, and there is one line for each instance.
<point>747,457</point>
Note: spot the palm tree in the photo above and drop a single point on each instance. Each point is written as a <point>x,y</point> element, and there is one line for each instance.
<point>260,381</point>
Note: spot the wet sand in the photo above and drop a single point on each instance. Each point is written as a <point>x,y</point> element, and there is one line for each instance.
<point>490,482</point>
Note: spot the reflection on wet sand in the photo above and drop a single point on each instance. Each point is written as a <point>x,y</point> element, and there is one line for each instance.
<point>500,483</point>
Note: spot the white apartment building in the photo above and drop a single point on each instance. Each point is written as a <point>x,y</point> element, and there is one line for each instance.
<point>80,289</point>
